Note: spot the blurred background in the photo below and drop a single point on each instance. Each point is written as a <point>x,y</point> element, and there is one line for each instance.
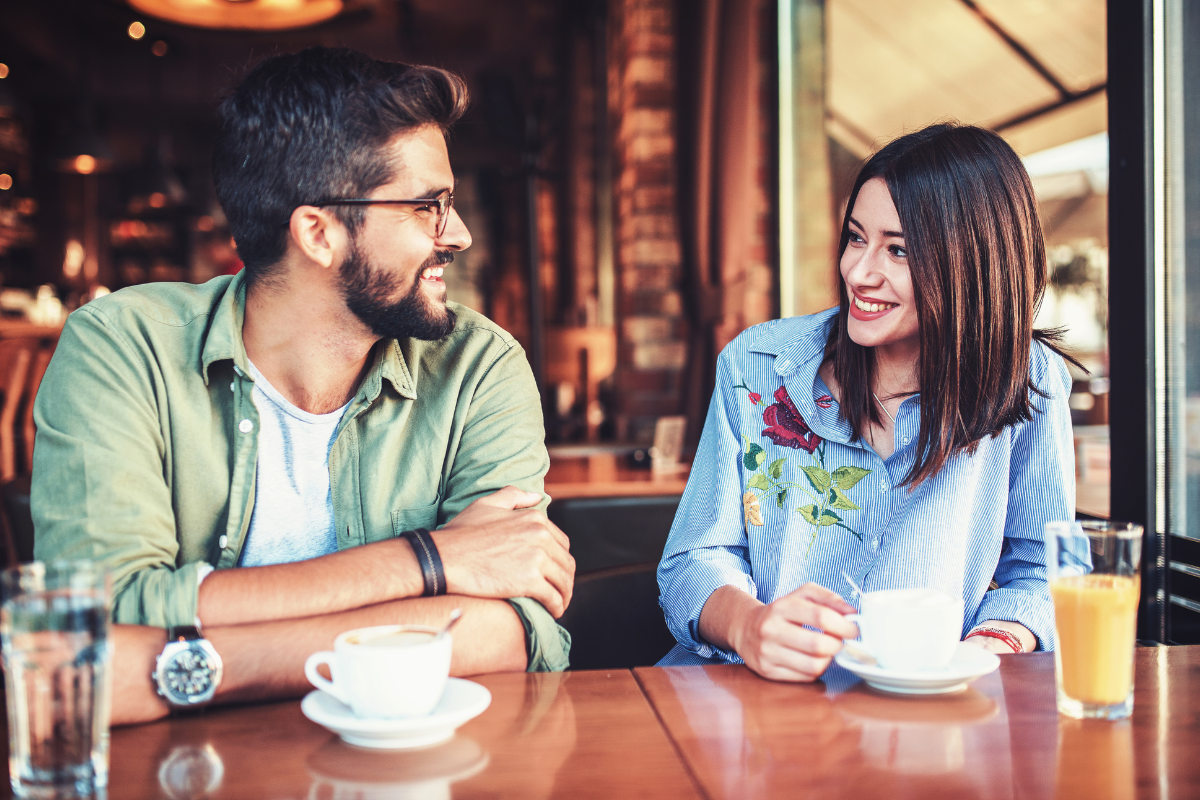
<point>644,179</point>
<point>625,166</point>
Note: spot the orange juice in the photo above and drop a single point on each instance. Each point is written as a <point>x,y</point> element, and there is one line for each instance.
<point>1096,621</point>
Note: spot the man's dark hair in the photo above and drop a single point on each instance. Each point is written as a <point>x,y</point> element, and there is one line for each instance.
<point>312,126</point>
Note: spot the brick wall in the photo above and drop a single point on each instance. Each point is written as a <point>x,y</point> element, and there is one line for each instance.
<point>651,327</point>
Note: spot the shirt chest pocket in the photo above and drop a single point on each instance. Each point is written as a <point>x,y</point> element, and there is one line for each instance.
<point>408,519</point>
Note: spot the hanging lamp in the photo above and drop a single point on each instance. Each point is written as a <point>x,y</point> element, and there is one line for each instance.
<point>259,15</point>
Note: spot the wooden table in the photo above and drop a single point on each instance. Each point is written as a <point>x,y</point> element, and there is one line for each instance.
<point>705,732</point>
<point>744,737</point>
<point>608,475</point>
<point>580,734</point>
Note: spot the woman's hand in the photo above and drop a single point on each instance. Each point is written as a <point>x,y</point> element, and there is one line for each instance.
<point>771,638</point>
<point>997,646</point>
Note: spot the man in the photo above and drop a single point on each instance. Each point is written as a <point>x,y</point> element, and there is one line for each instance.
<point>307,420</point>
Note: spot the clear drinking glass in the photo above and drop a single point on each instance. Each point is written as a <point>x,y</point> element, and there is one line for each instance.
<point>54,629</point>
<point>1094,582</point>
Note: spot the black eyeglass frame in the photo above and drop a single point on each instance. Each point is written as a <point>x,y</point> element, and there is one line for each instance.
<point>444,202</point>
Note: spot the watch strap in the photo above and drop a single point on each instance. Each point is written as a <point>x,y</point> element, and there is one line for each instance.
<point>430,561</point>
<point>183,633</point>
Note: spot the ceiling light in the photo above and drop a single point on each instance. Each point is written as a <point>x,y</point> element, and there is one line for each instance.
<point>3,70</point>
<point>136,30</point>
<point>243,14</point>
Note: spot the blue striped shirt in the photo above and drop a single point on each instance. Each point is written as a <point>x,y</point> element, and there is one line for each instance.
<point>779,496</point>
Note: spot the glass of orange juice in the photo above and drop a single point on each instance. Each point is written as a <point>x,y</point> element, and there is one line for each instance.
<point>1093,573</point>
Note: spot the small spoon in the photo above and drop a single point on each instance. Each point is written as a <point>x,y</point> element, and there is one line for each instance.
<point>455,616</point>
<point>857,589</point>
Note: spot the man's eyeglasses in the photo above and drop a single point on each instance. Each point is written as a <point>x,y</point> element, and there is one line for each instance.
<point>439,205</point>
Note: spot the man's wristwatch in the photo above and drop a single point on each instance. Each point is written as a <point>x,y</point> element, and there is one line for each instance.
<point>188,671</point>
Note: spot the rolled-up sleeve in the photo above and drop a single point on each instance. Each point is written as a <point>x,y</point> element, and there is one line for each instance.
<point>707,547</point>
<point>1041,490</point>
<point>98,490</point>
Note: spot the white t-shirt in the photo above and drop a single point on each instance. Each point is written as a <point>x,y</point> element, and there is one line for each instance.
<point>293,508</point>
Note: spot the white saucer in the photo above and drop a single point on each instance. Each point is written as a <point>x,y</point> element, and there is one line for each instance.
<point>969,662</point>
<point>462,701</point>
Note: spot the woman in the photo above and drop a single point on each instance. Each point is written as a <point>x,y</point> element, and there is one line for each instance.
<point>918,435</point>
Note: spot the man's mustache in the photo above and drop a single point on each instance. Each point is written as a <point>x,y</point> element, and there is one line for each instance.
<point>439,258</point>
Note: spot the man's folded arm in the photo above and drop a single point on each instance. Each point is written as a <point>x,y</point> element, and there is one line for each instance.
<point>266,660</point>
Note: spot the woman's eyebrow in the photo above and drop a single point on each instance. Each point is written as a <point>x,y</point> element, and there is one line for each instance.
<point>892,234</point>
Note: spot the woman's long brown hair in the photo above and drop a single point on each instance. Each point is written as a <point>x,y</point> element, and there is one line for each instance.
<point>978,265</point>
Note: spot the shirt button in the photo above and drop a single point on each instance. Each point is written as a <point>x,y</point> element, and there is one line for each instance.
<point>883,486</point>
<point>904,440</point>
<point>245,426</point>
<point>232,388</point>
<point>223,541</point>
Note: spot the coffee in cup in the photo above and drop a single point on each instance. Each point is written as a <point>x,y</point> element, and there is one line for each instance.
<point>385,672</point>
<point>910,629</point>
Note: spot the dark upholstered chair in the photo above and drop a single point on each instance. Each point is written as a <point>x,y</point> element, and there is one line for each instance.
<point>18,521</point>
<point>613,531</point>
<point>614,619</point>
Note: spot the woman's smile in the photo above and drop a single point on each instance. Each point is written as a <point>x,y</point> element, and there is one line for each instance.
<point>866,309</point>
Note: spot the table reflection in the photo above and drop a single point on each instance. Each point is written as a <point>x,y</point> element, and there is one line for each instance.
<point>921,735</point>
<point>343,772</point>
<point>190,772</point>
<point>530,736</point>
<point>1095,759</point>
<point>840,738</point>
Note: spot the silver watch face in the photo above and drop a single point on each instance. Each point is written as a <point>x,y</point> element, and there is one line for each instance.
<point>188,676</point>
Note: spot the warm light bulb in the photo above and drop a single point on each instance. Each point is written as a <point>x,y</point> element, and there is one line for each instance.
<point>3,71</point>
<point>136,30</point>
<point>85,164</point>
<point>158,200</point>
<point>159,48</point>
<point>5,181</point>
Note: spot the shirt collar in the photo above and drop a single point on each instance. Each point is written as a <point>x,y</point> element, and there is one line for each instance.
<point>223,342</point>
<point>798,346</point>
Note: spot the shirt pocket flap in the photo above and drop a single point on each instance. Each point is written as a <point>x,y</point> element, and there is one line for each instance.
<point>409,519</point>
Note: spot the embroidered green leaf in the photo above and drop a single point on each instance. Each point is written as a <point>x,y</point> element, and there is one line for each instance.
<point>857,535</point>
<point>809,513</point>
<point>839,499</point>
<point>829,518</point>
<point>781,498</point>
<point>845,477</point>
<point>752,458</point>
<point>776,468</point>
<point>818,477</point>
<point>759,481</point>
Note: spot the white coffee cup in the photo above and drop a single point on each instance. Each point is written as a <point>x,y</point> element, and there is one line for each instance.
<point>910,629</point>
<point>385,672</point>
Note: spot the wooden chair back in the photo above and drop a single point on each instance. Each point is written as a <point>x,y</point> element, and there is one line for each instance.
<point>15,358</point>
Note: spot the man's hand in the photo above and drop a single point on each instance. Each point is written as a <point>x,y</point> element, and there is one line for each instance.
<point>771,638</point>
<point>501,547</point>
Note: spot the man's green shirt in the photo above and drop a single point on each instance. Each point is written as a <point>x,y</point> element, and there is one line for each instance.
<point>147,441</point>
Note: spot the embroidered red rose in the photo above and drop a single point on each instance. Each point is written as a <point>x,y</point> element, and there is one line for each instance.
<point>824,401</point>
<point>786,427</point>
<point>755,397</point>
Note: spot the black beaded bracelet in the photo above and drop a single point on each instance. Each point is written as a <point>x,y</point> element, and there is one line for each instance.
<point>429,560</point>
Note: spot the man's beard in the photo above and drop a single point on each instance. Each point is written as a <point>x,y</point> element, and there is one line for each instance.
<point>368,292</point>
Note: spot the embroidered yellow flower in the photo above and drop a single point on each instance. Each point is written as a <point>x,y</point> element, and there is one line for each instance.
<point>752,510</point>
